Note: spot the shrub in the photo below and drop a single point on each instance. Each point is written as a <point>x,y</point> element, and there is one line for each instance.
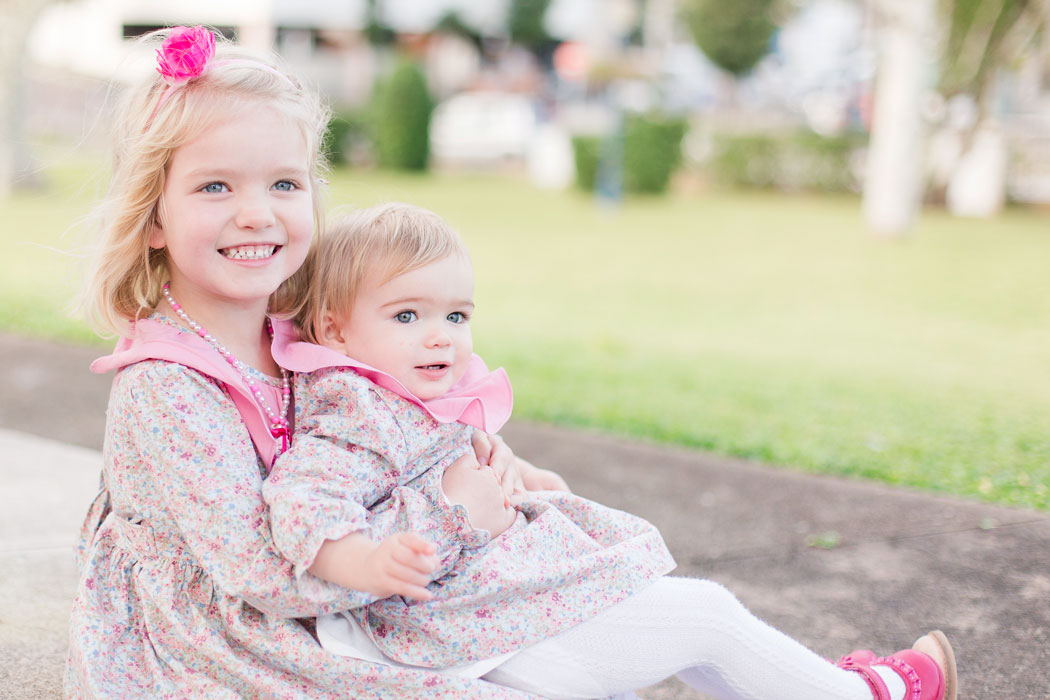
<point>347,137</point>
<point>749,160</point>
<point>800,160</point>
<point>585,150</point>
<point>401,112</point>
<point>652,148</point>
<point>652,151</point>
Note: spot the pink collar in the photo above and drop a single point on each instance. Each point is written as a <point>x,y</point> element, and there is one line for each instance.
<point>152,339</point>
<point>481,398</point>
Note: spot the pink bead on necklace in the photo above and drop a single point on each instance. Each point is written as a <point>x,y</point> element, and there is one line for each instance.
<point>278,421</point>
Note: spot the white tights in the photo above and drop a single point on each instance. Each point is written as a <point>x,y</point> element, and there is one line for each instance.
<point>691,628</point>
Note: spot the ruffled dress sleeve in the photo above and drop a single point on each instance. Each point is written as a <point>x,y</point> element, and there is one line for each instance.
<point>364,460</point>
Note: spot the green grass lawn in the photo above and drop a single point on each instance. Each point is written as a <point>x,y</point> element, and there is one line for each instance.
<point>755,325</point>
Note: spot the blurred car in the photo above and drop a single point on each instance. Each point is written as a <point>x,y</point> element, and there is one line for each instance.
<point>482,127</point>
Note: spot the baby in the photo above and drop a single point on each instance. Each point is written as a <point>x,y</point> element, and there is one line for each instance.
<point>388,397</point>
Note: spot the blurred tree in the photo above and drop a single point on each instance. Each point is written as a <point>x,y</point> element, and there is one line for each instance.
<point>735,35</point>
<point>16,19</point>
<point>984,35</point>
<point>376,30</point>
<point>452,23</point>
<point>525,24</point>
<point>402,118</point>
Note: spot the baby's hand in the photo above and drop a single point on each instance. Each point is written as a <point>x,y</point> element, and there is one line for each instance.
<point>476,488</point>
<point>399,565</point>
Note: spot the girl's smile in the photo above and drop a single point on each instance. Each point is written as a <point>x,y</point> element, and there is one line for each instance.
<point>250,252</point>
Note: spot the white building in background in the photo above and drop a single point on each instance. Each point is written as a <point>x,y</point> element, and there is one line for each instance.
<point>320,38</point>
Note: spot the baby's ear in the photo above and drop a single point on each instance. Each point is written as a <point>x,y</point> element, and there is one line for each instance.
<point>330,334</point>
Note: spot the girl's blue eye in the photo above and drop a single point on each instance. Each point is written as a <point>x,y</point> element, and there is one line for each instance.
<point>214,188</point>
<point>457,317</point>
<point>285,186</point>
<point>405,317</point>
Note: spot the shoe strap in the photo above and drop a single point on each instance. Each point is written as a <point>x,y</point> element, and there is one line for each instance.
<point>912,681</point>
<point>878,687</point>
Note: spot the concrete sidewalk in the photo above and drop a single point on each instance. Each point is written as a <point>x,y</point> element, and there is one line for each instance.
<point>903,563</point>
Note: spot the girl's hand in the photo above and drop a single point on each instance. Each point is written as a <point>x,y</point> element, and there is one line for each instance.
<point>483,445</point>
<point>536,479</point>
<point>476,488</point>
<point>493,452</point>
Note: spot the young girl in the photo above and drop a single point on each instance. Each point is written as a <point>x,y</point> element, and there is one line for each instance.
<point>561,596</point>
<point>210,214</point>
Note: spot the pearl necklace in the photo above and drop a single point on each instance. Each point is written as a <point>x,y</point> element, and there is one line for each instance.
<point>278,421</point>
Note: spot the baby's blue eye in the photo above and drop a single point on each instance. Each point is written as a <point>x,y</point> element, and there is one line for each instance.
<point>405,317</point>
<point>457,317</point>
<point>285,186</point>
<point>214,188</point>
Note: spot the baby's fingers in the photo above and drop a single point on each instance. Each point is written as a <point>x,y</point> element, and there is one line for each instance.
<point>416,543</point>
<point>418,562</point>
<point>407,583</point>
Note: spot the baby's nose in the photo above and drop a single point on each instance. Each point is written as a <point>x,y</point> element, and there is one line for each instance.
<point>438,338</point>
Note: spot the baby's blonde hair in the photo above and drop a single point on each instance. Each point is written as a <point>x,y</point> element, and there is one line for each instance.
<point>377,243</point>
<point>151,122</point>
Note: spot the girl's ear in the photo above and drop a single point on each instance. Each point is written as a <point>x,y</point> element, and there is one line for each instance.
<point>331,332</point>
<point>156,237</point>
<point>156,233</point>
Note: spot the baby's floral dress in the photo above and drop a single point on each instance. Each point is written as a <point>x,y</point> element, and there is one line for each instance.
<point>369,458</point>
<point>182,592</point>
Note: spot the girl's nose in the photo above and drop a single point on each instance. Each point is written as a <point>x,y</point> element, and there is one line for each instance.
<point>254,213</point>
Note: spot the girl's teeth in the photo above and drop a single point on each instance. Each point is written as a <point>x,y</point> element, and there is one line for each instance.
<point>249,252</point>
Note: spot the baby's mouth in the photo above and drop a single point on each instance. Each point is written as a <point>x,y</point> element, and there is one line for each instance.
<point>249,252</point>
<point>432,367</point>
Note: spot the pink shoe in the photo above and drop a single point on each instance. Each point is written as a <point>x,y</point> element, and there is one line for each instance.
<point>923,677</point>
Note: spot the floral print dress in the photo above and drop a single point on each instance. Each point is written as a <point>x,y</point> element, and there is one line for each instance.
<point>183,593</point>
<point>370,458</point>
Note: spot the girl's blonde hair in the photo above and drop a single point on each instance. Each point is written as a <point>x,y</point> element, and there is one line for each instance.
<point>152,121</point>
<point>377,244</point>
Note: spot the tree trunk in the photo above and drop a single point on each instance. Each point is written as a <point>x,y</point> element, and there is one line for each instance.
<point>892,190</point>
<point>16,20</point>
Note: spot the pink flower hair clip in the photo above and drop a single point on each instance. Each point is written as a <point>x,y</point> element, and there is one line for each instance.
<point>185,54</point>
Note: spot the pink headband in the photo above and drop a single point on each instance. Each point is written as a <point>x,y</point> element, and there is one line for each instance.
<point>187,52</point>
